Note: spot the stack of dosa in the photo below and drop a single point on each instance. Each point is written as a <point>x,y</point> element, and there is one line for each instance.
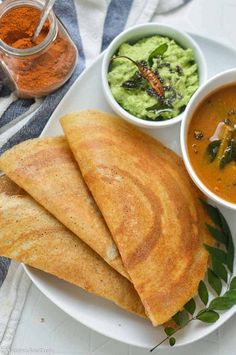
<point>46,169</point>
<point>29,234</point>
<point>142,190</point>
<point>149,205</point>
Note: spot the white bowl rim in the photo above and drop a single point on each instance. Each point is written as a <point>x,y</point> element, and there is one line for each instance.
<point>190,109</point>
<point>106,59</point>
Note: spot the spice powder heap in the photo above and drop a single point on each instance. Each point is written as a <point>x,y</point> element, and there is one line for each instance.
<point>17,27</point>
<point>40,73</point>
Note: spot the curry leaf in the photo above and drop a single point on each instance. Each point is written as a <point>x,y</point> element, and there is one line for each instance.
<point>221,222</point>
<point>229,154</point>
<point>190,306</point>
<point>158,109</point>
<point>213,212</point>
<point>214,281</point>
<point>169,331</point>
<point>159,51</point>
<point>231,294</point>
<point>181,318</point>
<point>219,269</point>
<point>230,256</point>
<point>203,293</point>
<point>217,234</point>
<point>230,245</point>
<point>159,112</point>
<point>225,227</point>
<point>155,109</point>
<point>172,341</point>
<point>233,284</point>
<point>213,149</point>
<point>222,303</point>
<point>176,318</point>
<point>208,316</point>
<point>219,254</point>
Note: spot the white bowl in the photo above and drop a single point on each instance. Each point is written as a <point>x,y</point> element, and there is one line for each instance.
<point>226,78</point>
<point>134,34</point>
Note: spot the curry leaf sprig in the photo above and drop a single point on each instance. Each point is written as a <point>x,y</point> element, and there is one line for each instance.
<point>219,273</point>
<point>222,151</point>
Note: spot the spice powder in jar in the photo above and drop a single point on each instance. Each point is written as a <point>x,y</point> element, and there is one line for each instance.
<point>34,68</point>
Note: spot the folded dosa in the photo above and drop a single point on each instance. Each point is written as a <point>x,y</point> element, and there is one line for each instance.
<point>46,169</point>
<point>149,204</point>
<point>29,234</point>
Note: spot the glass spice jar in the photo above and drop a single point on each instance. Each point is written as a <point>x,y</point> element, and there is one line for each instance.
<point>34,69</point>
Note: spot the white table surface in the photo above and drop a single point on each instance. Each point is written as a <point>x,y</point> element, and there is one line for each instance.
<point>44,328</point>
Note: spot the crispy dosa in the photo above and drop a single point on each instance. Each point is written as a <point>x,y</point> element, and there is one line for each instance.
<point>46,169</point>
<point>149,204</point>
<point>29,234</point>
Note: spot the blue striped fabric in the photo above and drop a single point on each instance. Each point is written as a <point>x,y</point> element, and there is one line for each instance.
<point>117,14</point>
<point>66,11</point>
<point>16,109</point>
<point>4,265</point>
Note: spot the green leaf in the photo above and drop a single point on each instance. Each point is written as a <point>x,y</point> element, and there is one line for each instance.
<point>229,154</point>
<point>159,51</point>
<point>190,306</point>
<point>169,331</point>
<point>230,244</point>
<point>181,318</point>
<point>172,341</point>
<point>219,254</point>
<point>213,149</point>
<point>213,212</point>
<point>203,293</point>
<point>154,107</point>
<point>214,281</point>
<point>233,283</point>
<point>217,234</point>
<point>230,255</point>
<point>222,303</point>
<point>208,316</point>
<point>221,222</point>
<point>231,294</point>
<point>224,226</point>
<point>157,111</point>
<point>176,318</point>
<point>219,269</point>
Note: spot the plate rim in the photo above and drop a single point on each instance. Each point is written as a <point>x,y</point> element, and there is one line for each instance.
<point>28,269</point>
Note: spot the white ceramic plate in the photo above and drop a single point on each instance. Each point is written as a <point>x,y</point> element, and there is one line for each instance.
<point>94,312</point>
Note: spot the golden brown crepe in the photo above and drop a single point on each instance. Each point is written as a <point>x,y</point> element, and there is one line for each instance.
<point>29,234</point>
<point>150,207</point>
<point>46,169</point>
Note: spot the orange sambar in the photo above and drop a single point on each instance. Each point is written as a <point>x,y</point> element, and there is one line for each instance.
<point>220,106</point>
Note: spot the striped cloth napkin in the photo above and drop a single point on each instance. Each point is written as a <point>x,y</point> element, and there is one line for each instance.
<point>92,25</point>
